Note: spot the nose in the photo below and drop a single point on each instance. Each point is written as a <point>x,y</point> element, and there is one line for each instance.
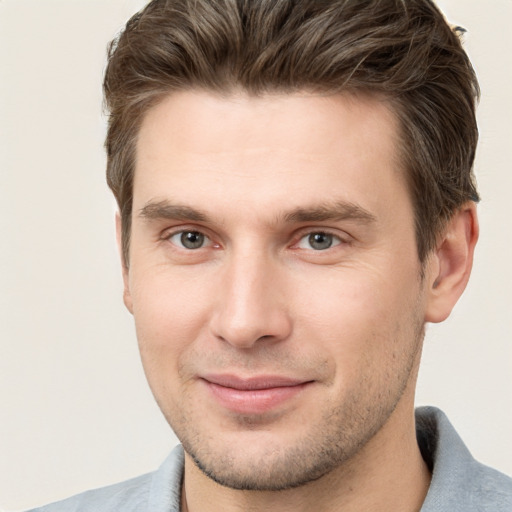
<point>251,306</point>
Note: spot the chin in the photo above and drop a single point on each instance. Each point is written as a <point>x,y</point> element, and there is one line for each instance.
<point>276,471</point>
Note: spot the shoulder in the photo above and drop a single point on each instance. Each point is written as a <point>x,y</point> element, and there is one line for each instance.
<point>128,496</point>
<point>152,492</point>
<point>459,482</point>
<point>492,488</point>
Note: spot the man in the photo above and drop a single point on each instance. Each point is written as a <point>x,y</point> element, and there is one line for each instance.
<point>296,199</point>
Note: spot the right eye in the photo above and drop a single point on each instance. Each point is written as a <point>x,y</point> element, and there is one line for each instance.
<point>189,240</point>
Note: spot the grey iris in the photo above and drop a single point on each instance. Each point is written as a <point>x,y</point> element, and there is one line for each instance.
<point>192,239</point>
<point>320,241</point>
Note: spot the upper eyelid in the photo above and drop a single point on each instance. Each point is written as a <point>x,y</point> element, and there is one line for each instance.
<point>340,240</point>
<point>171,231</point>
<point>294,238</point>
<point>341,235</point>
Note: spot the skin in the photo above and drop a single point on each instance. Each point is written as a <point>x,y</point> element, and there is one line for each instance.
<point>253,181</point>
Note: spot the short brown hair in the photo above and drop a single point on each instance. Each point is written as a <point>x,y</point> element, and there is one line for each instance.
<point>401,49</point>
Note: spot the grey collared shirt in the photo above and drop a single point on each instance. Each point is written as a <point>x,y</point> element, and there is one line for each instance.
<point>459,482</point>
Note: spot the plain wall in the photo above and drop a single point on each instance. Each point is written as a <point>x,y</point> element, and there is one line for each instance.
<point>75,410</point>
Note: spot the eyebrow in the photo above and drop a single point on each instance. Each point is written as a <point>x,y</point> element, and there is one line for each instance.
<point>166,210</point>
<point>338,211</point>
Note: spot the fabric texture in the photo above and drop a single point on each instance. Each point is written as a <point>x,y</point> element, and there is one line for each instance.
<point>459,482</point>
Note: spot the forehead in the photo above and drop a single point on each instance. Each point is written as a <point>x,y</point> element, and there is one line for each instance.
<point>193,117</point>
<point>287,148</point>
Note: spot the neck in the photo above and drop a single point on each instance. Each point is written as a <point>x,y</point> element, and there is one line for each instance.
<point>388,474</point>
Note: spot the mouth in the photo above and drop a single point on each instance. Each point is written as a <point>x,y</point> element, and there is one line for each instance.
<point>254,395</point>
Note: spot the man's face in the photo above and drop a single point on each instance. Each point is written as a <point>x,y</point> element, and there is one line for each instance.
<point>274,280</point>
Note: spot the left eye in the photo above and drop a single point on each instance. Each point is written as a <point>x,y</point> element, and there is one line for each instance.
<point>189,239</point>
<point>318,241</point>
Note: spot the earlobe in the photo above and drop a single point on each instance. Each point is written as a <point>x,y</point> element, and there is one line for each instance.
<point>127,298</point>
<point>450,265</point>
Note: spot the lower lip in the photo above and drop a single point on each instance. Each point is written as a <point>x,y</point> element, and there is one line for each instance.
<point>253,401</point>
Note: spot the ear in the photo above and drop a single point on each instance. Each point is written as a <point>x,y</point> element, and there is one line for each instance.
<point>127,298</point>
<point>450,264</point>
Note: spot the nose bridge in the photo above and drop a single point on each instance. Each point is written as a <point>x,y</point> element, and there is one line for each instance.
<point>251,304</point>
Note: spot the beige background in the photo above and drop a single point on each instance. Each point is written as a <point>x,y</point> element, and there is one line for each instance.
<point>75,411</point>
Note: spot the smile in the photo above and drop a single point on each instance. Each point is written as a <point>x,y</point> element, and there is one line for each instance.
<point>255,395</point>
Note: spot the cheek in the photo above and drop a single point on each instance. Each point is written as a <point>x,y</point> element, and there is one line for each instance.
<point>165,301</point>
<point>362,318</point>
<point>349,301</point>
<point>170,314</point>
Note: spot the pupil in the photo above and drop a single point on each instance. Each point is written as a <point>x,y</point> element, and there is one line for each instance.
<point>320,241</point>
<point>192,239</point>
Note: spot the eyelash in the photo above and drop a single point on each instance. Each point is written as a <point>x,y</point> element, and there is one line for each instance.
<point>169,236</point>
<point>334,240</point>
